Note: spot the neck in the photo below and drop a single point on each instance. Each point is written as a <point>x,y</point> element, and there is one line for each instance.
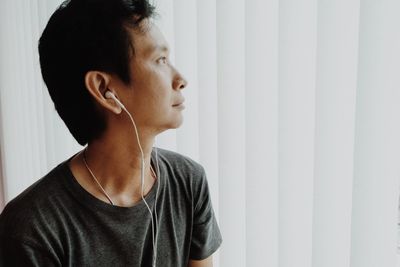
<point>117,164</point>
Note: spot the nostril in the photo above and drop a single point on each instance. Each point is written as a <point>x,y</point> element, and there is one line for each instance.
<point>180,83</point>
<point>183,84</point>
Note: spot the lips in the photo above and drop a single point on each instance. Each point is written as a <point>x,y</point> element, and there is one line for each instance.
<point>179,103</point>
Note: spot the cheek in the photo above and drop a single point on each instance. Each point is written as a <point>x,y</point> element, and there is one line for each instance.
<point>154,82</point>
<point>154,79</point>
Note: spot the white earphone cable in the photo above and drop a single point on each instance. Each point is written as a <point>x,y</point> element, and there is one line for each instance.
<point>111,95</point>
<point>142,177</point>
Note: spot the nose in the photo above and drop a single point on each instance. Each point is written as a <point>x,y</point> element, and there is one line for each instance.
<point>179,82</point>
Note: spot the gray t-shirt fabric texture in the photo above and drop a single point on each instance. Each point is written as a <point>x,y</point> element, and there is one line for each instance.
<point>56,222</point>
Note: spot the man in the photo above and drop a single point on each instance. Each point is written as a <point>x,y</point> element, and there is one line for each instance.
<point>119,202</point>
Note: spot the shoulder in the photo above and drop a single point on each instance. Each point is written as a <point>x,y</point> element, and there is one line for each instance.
<point>177,159</point>
<point>30,208</point>
<point>180,164</point>
<point>183,171</point>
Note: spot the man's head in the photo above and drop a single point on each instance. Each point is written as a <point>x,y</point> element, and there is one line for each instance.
<point>90,46</point>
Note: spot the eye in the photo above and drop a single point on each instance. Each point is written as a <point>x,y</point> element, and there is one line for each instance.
<point>163,60</point>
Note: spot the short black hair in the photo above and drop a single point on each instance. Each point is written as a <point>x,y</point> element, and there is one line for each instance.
<point>85,35</point>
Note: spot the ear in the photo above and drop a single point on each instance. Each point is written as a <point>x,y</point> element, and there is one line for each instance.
<point>97,83</point>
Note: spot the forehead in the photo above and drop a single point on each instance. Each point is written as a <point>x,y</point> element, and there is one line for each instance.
<point>149,40</point>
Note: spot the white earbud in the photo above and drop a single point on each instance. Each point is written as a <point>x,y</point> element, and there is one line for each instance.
<point>112,96</point>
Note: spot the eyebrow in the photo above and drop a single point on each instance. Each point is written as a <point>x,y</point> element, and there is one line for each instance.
<point>156,48</point>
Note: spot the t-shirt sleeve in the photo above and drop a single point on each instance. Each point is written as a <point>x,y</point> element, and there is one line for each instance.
<point>206,236</point>
<point>17,253</point>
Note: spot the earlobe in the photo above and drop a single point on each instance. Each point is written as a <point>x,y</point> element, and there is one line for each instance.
<point>110,95</point>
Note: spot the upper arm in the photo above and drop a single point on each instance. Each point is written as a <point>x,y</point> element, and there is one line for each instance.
<point>206,236</point>
<point>201,263</point>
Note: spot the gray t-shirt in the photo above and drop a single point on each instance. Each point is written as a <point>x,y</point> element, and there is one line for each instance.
<point>56,222</point>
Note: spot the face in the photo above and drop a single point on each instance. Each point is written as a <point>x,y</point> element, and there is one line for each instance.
<point>156,85</point>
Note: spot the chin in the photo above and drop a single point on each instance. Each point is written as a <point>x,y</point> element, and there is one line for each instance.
<point>176,123</point>
<point>171,125</point>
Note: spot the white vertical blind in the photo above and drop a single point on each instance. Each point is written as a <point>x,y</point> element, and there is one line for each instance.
<point>262,50</point>
<point>337,58</point>
<point>377,131</point>
<point>292,107</point>
<point>231,130</point>
<point>297,81</point>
